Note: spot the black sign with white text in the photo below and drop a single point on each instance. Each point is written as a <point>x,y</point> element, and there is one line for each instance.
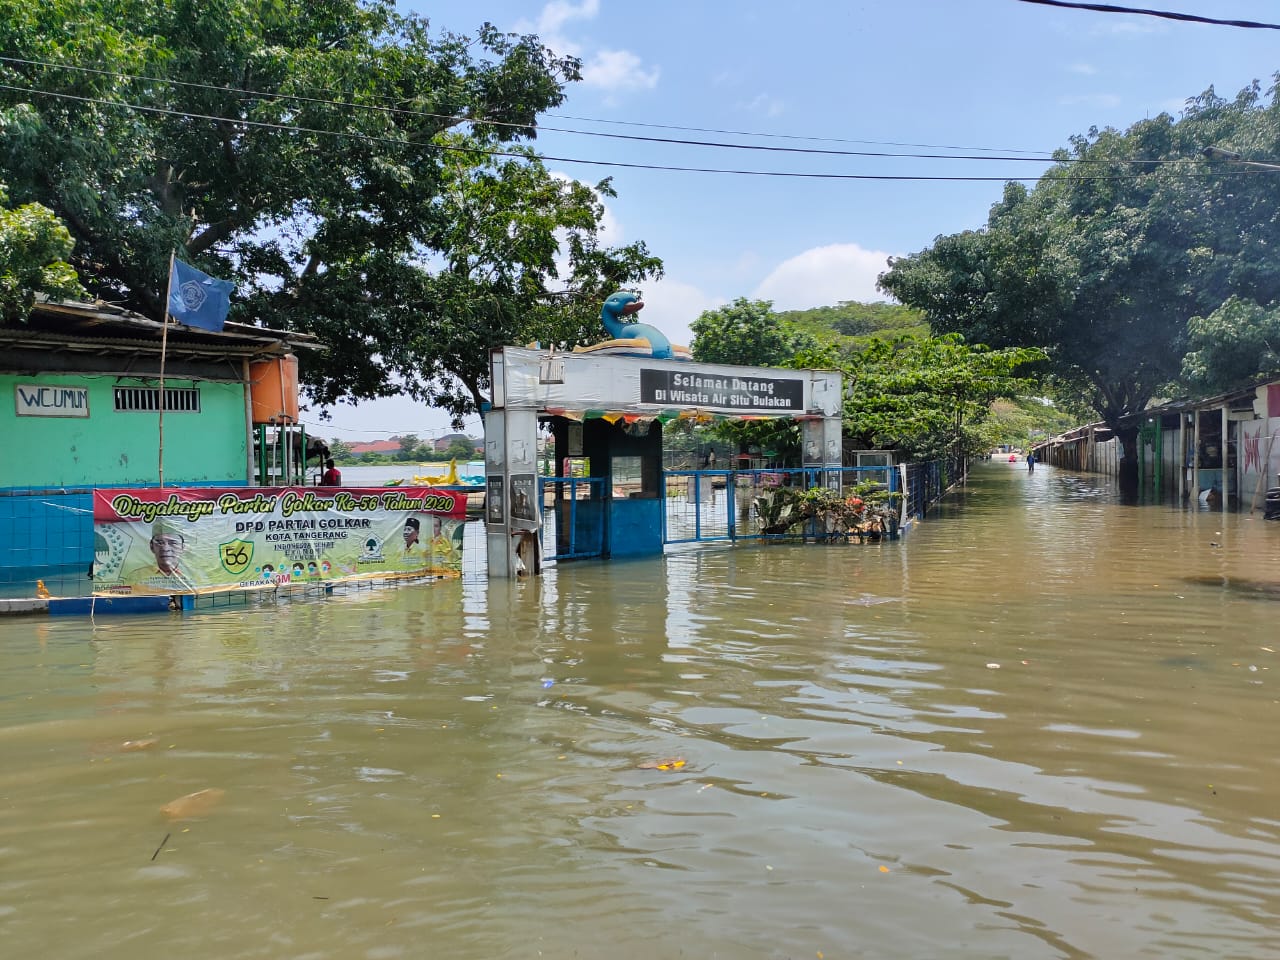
<point>676,388</point>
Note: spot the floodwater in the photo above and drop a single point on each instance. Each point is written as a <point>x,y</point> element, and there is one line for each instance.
<point>1044,725</point>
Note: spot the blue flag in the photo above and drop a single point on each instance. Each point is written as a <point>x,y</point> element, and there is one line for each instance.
<point>197,299</point>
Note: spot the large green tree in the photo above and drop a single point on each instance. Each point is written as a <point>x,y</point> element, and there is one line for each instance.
<point>359,174</point>
<point>1104,263</point>
<point>34,248</point>
<point>924,396</point>
<point>749,333</point>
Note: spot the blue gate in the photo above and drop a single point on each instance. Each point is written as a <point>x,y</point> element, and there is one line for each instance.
<point>573,517</point>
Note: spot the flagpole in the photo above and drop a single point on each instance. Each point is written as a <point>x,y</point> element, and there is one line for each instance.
<point>164,344</point>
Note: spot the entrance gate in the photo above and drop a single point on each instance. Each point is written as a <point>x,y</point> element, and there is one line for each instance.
<point>611,410</point>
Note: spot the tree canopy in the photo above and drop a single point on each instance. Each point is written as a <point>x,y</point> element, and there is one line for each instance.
<point>358,174</point>
<point>34,247</point>
<point>747,332</point>
<point>928,396</point>
<point>852,319</point>
<point>1119,245</point>
<point>1236,344</point>
<point>925,396</point>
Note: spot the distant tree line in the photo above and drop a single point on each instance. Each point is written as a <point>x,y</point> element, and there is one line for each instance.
<point>905,390</point>
<point>412,450</point>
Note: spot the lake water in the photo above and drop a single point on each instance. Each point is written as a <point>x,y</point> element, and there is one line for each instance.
<point>1045,725</point>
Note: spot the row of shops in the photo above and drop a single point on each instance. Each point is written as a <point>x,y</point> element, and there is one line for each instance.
<point>1223,450</point>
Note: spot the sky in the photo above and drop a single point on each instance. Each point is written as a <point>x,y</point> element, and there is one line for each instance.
<point>950,78</point>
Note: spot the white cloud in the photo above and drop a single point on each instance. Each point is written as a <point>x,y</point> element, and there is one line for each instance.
<point>614,71</point>
<point>552,19</point>
<point>1106,27</point>
<point>618,70</point>
<point>1087,69</point>
<point>765,105</point>
<point>824,276</point>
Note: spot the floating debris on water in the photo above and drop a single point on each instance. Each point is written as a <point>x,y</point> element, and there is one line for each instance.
<point>670,763</point>
<point>193,804</point>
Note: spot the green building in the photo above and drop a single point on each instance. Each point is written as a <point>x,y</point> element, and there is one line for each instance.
<point>80,408</point>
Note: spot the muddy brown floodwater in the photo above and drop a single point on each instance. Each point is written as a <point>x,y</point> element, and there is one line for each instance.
<point>1044,725</point>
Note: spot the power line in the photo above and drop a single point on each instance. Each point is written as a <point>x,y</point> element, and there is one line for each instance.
<point>1165,14</point>
<point>464,118</point>
<point>989,152</point>
<point>369,138</point>
<point>1045,154</point>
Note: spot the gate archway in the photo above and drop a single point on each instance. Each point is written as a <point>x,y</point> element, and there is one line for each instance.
<point>610,411</point>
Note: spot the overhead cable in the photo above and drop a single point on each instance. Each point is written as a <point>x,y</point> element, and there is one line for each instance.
<point>484,151</point>
<point>987,153</point>
<point>1165,14</point>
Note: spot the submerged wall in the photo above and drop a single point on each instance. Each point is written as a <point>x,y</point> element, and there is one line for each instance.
<point>66,434</point>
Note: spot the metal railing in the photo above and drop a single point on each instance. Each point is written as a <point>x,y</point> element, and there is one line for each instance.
<point>573,517</point>
<point>706,505</point>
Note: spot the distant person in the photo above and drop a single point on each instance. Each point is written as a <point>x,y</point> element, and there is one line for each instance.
<point>167,546</point>
<point>1031,463</point>
<point>332,476</point>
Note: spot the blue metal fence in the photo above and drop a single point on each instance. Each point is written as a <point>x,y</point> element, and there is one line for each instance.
<point>573,517</point>
<point>704,505</point>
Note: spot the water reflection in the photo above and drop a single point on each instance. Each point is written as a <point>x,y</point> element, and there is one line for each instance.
<point>1043,726</point>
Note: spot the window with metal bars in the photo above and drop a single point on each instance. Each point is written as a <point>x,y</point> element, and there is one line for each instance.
<point>147,399</point>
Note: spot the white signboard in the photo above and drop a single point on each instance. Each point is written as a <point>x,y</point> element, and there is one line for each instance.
<point>650,386</point>
<point>50,400</point>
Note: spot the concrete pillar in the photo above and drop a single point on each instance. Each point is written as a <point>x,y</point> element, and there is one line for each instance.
<point>821,447</point>
<point>1223,453</point>
<point>513,512</point>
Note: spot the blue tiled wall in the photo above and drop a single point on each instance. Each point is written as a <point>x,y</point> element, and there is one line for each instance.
<point>48,531</point>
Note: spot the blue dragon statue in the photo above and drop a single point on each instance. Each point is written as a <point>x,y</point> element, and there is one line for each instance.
<point>631,338</point>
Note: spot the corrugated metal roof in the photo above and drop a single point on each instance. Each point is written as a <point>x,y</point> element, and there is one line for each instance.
<point>106,329</point>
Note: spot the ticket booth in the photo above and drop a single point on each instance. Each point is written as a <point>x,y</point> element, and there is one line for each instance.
<point>626,502</point>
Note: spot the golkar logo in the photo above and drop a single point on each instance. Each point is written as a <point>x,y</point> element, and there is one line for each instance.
<point>236,555</point>
<point>372,552</point>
